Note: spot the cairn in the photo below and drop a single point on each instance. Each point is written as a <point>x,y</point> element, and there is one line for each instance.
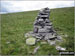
<point>43,28</point>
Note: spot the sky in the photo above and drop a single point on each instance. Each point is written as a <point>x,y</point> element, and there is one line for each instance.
<point>19,6</point>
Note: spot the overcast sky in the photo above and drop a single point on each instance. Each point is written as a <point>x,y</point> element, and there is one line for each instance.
<point>18,6</point>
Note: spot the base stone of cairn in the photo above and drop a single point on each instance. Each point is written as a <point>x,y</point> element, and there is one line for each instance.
<point>43,29</point>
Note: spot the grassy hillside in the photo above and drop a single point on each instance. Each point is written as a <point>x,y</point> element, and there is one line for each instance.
<point>15,25</point>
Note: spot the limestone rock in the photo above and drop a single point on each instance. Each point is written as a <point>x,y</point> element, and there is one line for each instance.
<point>30,41</point>
<point>51,42</point>
<point>60,48</point>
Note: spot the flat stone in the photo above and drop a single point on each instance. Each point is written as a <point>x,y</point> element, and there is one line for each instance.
<point>49,36</point>
<point>60,48</point>
<point>48,27</point>
<point>51,42</point>
<point>47,20</point>
<point>43,15</point>
<point>38,37</point>
<point>37,26</point>
<point>42,30</point>
<point>40,20</point>
<point>30,41</point>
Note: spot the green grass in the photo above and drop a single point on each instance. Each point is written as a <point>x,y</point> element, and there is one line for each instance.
<point>15,25</point>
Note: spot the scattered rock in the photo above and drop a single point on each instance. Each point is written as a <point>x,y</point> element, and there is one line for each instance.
<point>60,48</point>
<point>36,49</point>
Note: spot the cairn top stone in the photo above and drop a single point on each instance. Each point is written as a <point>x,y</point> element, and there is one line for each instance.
<point>45,10</point>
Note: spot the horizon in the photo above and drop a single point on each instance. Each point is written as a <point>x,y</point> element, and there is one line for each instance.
<point>33,10</point>
<point>20,6</point>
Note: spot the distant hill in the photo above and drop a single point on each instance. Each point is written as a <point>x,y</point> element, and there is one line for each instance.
<point>15,25</point>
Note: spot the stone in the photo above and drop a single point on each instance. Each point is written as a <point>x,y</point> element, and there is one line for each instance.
<point>30,41</point>
<point>59,38</point>
<point>27,35</point>
<point>48,27</point>
<point>51,42</point>
<point>43,15</point>
<point>39,20</point>
<point>47,20</point>
<point>60,48</point>
<point>44,42</point>
<point>36,49</point>
<point>49,36</point>
<point>35,30</point>
<point>48,24</point>
<point>37,26</point>
<point>42,30</point>
<point>38,37</point>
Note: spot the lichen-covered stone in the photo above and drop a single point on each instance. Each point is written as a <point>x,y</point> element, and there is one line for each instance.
<point>30,41</point>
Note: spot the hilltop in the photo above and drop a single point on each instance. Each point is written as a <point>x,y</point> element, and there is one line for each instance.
<point>15,25</point>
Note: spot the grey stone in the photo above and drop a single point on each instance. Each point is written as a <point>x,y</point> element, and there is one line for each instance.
<point>59,38</point>
<point>43,15</point>
<point>47,21</point>
<point>42,30</point>
<point>49,36</point>
<point>48,27</point>
<point>48,24</point>
<point>60,48</point>
<point>36,26</point>
<point>51,42</point>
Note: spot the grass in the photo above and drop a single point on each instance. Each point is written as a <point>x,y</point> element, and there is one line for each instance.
<point>15,25</point>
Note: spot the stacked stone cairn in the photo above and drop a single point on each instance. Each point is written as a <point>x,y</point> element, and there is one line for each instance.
<point>43,29</point>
